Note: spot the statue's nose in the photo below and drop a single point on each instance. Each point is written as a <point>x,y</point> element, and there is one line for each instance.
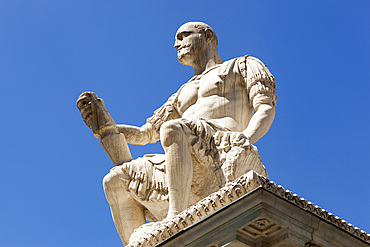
<point>176,45</point>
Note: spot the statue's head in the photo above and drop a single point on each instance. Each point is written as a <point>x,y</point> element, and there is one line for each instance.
<point>193,40</point>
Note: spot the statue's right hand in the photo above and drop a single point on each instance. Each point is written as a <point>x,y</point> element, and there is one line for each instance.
<point>85,104</point>
<point>94,114</point>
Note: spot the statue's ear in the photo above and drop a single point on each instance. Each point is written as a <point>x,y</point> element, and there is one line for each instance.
<point>209,35</point>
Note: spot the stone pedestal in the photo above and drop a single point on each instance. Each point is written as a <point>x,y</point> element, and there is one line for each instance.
<point>252,212</point>
<point>264,219</point>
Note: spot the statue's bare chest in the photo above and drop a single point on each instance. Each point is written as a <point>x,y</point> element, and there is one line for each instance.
<point>188,95</point>
<point>204,86</point>
<point>211,84</point>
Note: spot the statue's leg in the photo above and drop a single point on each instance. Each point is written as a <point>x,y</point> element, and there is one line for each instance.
<point>179,167</point>
<point>127,213</point>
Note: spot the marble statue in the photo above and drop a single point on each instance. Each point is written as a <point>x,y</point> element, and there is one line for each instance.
<point>207,130</point>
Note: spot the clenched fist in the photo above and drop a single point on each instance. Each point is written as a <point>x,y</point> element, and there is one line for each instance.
<point>95,115</point>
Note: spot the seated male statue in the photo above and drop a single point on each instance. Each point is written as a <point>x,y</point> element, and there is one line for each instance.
<point>206,128</point>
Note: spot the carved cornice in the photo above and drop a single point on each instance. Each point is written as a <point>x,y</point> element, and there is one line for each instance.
<point>309,206</point>
<point>153,233</point>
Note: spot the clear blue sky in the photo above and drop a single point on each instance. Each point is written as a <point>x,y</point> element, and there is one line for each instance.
<point>51,51</point>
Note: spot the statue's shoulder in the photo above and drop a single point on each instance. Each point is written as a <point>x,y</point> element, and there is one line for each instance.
<point>227,67</point>
<point>253,63</point>
<point>240,65</point>
<point>252,69</point>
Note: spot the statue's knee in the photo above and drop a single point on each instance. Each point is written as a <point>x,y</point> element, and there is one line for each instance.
<point>170,132</point>
<point>111,181</point>
<point>113,188</point>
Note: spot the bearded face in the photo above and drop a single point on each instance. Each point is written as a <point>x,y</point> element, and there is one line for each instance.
<point>190,44</point>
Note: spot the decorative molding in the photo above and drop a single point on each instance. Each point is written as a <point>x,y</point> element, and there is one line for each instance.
<point>311,244</point>
<point>153,233</point>
<point>309,206</point>
<point>262,224</point>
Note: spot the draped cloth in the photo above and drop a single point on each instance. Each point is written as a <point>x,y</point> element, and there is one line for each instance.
<point>213,165</point>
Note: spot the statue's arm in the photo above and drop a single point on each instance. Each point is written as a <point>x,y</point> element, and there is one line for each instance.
<point>98,119</point>
<point>149,132</point>
<point>260,123</point>
<point>261,89</point>
<point>138,135</point>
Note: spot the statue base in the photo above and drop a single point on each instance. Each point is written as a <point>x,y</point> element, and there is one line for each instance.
<point>251,211</point>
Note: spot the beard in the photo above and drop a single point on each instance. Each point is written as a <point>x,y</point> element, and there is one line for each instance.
<point>190,53</point>
<point>184,54</point>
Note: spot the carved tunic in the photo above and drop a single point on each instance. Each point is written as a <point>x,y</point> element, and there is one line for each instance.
<point>251,84</point>
<point>259,87</point>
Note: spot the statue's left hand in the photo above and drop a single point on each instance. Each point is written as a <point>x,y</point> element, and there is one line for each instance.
<point>228,139</point>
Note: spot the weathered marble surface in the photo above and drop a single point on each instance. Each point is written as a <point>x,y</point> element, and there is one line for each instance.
<point>252,211</point>
<point>207,130</point>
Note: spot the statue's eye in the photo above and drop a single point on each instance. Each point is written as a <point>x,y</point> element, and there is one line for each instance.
<point>185,34</point>
<point>182,35</point>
